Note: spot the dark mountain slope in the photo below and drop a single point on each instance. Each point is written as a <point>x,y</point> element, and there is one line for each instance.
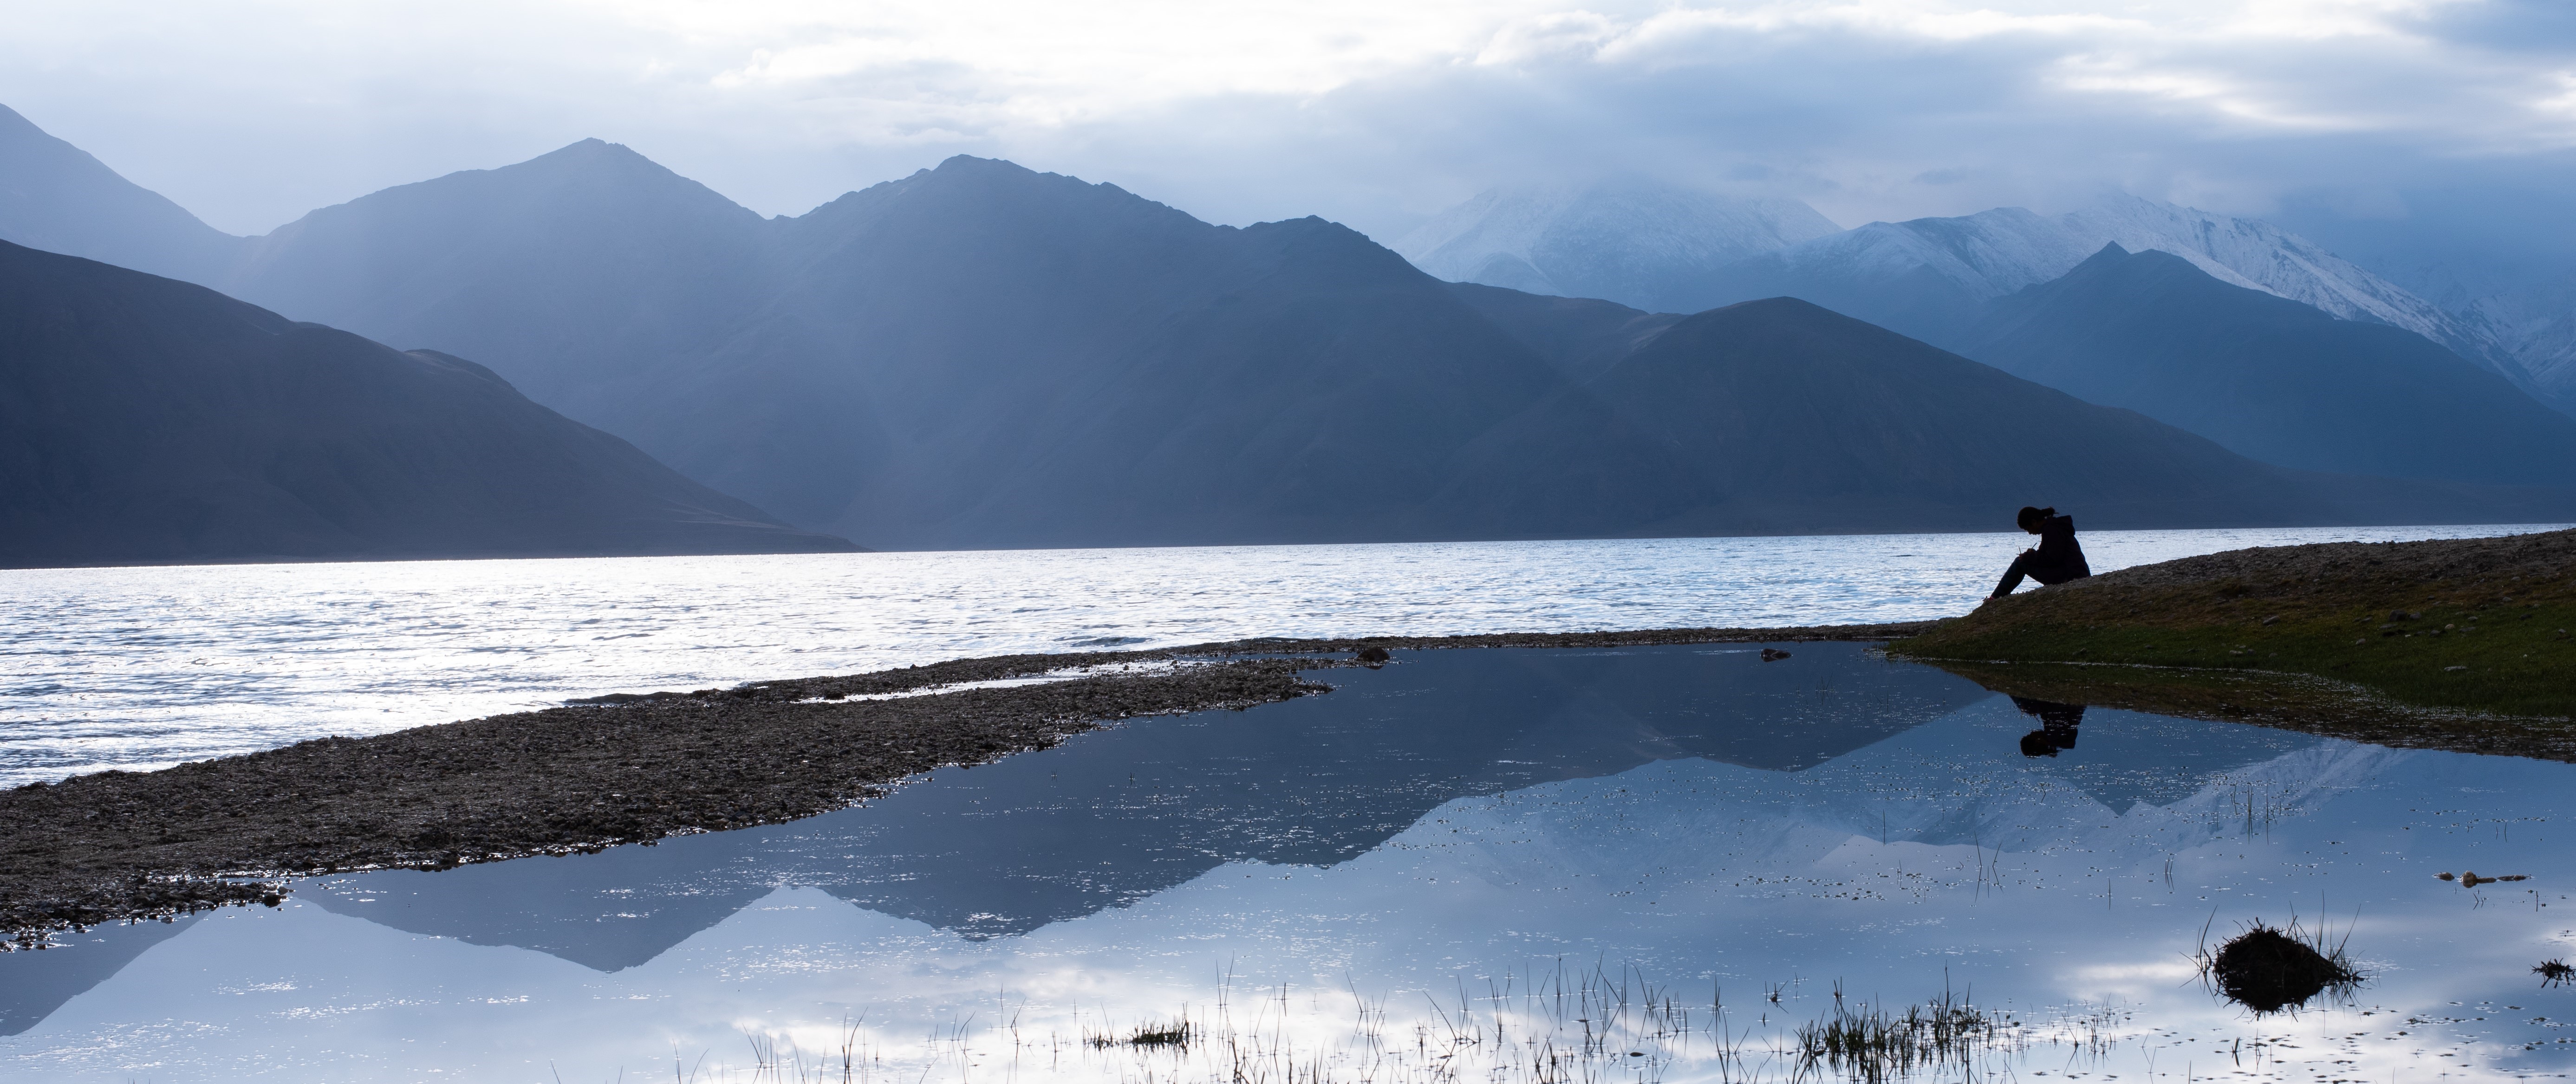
<point>55,197</point>
<point>1779,416</point>
<point>983,355</point>
<point>568,272</point>
<point>144,420</point>
<point>2272,378</point>
<point>1581,336</point>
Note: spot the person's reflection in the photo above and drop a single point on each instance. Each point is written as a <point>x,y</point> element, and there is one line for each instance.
<point>2057,723</point>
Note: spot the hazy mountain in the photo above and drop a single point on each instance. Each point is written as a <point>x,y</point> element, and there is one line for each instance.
<point>572,270</point>
<point>982,355</point>
<point>1925,278</point>
<point>2534,320</point>
<point>145,420</point>
<point>1627,240</point>
<point>2272,378</point>
<point>1782,417</point>
<point>2492,255</point>
<point>55,197</point>
<point>1928,277</point>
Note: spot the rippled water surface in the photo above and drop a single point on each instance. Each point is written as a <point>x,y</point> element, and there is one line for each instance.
<point>144,667</point>
<point>1656,864</point>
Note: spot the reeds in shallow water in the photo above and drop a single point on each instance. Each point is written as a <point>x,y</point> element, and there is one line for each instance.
<point>1556,1026</point>
<point>1869,1043</point>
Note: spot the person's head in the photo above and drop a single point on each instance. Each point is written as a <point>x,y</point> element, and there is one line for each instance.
<point>2030,518</point>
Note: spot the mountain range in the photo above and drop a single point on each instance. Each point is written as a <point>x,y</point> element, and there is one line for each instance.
<point>1932,277</point>
<point>982,355</point>
<point>145,420</point>
<point>2268,377</point>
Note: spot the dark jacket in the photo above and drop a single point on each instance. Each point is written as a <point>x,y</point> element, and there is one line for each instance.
<point>2060,558</point>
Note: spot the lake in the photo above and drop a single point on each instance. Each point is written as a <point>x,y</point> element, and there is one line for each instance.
<point>1652,864</point>
<point>147,667</point>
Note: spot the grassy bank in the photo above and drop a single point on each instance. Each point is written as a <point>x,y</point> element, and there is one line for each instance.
<point>2459,626</point>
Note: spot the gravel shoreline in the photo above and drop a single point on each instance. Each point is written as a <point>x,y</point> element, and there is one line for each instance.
<point>625,768</point>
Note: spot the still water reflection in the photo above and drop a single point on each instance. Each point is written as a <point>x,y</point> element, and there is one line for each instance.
<point>1452,868</point>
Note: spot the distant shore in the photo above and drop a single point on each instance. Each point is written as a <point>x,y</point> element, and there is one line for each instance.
<point>628,768</point>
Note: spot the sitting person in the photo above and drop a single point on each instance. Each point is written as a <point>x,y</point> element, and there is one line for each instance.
<point>2057,560</point>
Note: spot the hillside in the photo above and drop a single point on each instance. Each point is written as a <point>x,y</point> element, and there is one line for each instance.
<point>2479,625</point>
<point>144,420</point>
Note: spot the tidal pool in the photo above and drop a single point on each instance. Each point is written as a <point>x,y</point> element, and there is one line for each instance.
<point>1678,863</point>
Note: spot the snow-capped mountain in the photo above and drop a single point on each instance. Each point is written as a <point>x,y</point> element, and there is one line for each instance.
<point>1626,240</point>
<point>1669,249</point>
<point>1928,276</point>
<point>2536,323</point>
<point>2251,253</point>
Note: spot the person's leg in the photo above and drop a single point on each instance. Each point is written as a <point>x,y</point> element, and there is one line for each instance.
<point>2012,576</point>
<point>2053,573</point>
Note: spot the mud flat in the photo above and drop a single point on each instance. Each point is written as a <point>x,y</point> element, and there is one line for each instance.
<point>2457,644</point>
<point>625,768</point>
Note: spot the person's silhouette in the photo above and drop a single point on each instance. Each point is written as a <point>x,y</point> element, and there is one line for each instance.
<point>2057,723</point>
<point>2058,558</point>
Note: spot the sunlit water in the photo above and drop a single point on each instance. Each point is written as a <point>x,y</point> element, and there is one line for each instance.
<point>145,667</point>
<point>1637,865</point>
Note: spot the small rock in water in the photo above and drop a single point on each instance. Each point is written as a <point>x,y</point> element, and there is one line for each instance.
<point>1773,654</point>
<point>1373,656</point>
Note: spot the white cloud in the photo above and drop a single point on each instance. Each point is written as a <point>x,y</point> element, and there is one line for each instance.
<point>253,112</point>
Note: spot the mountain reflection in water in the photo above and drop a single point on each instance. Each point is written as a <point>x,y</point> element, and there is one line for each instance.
<point>1457,815</point>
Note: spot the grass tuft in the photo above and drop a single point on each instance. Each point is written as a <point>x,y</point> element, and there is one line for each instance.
<point>2272,969</point>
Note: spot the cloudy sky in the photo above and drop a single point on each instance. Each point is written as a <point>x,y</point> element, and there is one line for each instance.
<point>1367,111</point>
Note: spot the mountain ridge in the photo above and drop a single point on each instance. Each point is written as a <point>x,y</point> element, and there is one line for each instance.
<point>983,355</point>
<point>58,197</point>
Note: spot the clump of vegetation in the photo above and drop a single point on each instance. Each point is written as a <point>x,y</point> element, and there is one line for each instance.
<point>2555,973</point>
<point>2271,969</point>
<point>1176,1033</point>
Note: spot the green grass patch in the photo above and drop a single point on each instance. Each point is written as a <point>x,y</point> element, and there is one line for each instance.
<point>2477,626</point>
<point>2509,658</point>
